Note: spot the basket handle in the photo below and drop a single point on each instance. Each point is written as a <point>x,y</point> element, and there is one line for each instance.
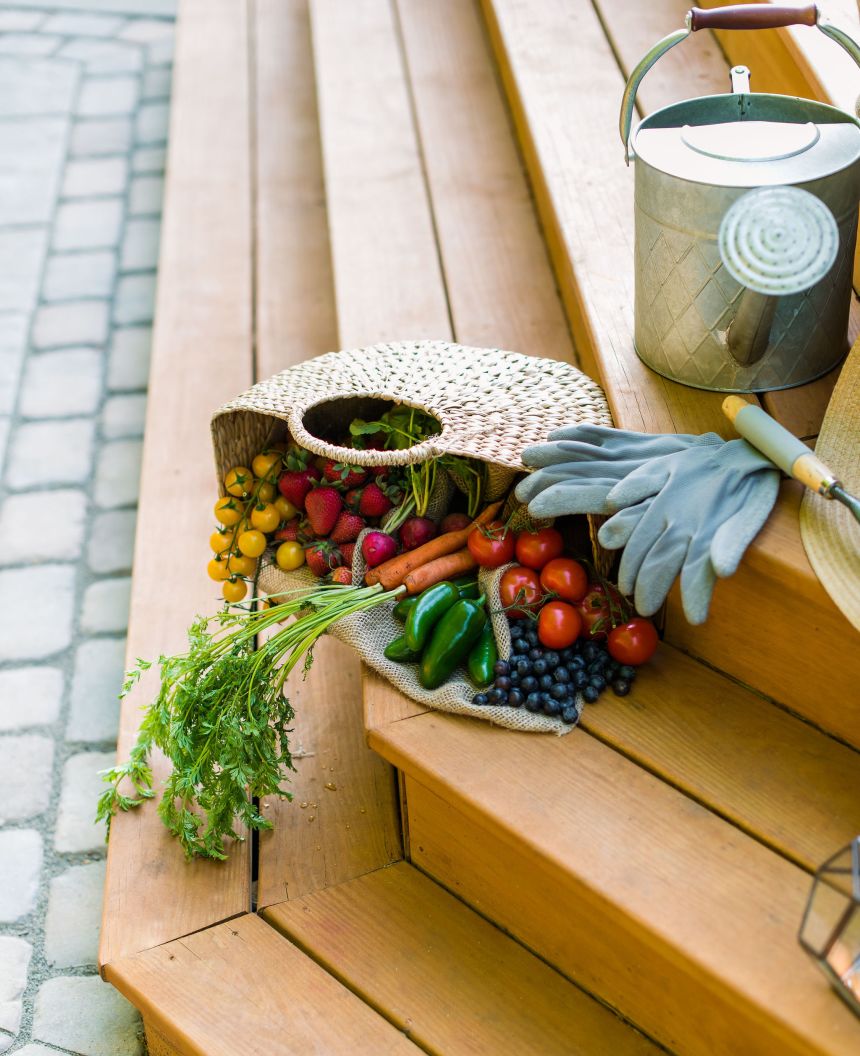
<point>735,16</point>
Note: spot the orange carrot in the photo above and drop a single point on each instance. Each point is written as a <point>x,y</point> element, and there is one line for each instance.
<point>447,567</point>
<point>393,572</point>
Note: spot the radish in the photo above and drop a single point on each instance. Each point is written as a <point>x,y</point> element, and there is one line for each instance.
<point>378,547</point>
<point>417,531</point>
<point>455,522</point>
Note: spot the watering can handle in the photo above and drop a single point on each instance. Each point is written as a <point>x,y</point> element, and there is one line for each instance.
<point>735,16</point>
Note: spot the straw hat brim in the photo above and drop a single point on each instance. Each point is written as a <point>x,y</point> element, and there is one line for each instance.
<point>829,531</point>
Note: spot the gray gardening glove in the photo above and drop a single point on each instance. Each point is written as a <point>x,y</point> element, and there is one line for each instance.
<point>580,464</point>
<point>692,512</point>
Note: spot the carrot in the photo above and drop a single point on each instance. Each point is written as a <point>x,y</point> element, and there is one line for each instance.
<point>446,567</point>
<point>392,573</point>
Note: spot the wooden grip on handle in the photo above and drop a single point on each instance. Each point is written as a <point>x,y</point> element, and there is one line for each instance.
<point>753,16</point>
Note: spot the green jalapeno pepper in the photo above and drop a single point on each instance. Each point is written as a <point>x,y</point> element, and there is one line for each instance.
<point>468,588</point>
<point>452,639</point>
<point>403,608</point>
<point>483,657</point>
<point>399,651</point>
<point>431,605</point>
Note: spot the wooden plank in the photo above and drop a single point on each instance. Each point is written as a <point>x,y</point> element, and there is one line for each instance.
<point>355,828</point>
<point>152,894</point>
<point>456,984</point>
<point>778,779</point>
<point>388,282</point>
<point>668,913</point>
<point>498,276</point>
<point>240,989</point>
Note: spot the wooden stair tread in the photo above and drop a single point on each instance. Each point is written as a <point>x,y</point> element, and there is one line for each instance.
<point>648,871</point>
<point>444,975</point>
<point>241,989</point>
<point>152,894</point>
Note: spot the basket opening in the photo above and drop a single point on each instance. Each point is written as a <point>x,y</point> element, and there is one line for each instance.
<point>329,421</point>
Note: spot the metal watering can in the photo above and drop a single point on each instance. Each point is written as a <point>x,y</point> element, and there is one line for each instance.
<point>746,218</point>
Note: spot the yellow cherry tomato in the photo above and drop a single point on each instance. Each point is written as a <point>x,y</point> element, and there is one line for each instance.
<point>266,518</point>
<point>218,570</point>
<point>265,492</point>
<point>220,541</point>
<point>290,556</point>
<point>238,481</point>
<point>285,508</point>
<point>252,543</point>
<point>266,465</point>
<point>234,589</point>
<point>242,565</point>
<point>228,511</point>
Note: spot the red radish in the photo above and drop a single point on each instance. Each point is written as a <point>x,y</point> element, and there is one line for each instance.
<point>342,575</point>
<point>322,557</point>
<point>455,522</point>
<point>347,528</point>
<point>378,547</point>
<point>374,502</point>
<point>296,483</point>
<point>323,506</point>
<point>416,531</point>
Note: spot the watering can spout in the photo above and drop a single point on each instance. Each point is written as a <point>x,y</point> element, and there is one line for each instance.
<point>774,241</point>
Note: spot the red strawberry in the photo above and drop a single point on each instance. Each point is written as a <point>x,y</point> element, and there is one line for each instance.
<point>347,528</point>
<point>322,557</point>
<point>343,474</point>
<point>293,531</point>
<point>323,506</point>
<point>342,575</point>
<point>380,471</point>
<point>374,501</point>
<point>378,547</point>
<point>352,499</point>
<point>296,483</point>
<point>347,550</point>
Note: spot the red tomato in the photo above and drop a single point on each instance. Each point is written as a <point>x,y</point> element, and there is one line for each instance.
<point>559,625</point>
<point>535,549</point>
<point>595,612</point>
<point>519,587</point>
<point>566,578</point>
<point>633,642</point>
<point>492,544</point>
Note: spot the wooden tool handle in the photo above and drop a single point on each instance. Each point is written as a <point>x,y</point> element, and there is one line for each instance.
<point>753,16</point>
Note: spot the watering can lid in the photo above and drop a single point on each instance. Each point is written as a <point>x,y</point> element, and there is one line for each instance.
<point>753,140</point>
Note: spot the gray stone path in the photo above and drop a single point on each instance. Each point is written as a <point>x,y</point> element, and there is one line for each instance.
<point>84,99</point>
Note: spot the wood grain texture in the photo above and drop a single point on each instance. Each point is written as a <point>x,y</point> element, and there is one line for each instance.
<point>498,276</point>
<point>152,894</point>
<point>438,971</point>
<point>645,898</point>
<point>775,777</point>
<point>240,989</point>
<point>354,828</point>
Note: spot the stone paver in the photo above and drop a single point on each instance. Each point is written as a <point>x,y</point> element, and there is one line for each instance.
<point>72,275</point>
<point>42,526</point>
<point>88,225</point>
<point>144,31</point>
<point>156,83</point>
<point>135,299</point>
<point>29,696</point>
<point>88,1016</point>
<point>103,56</point>
<point>98,136</point>
<point>95,176</point>
<point>108,96</point>
<point>146,196</point>
<point>152,121</point>
<point>74,915</point>
<point>128,366</point>
<point>74,25</point>
<point>19,20</point>
<point>118,473</point>
<point>111,545</point>
<point>35,1050</point>
<point>60,384</point>
<point>21,254</point>
<point>105,606</point>
<point>15,957</point>
<point>123,416</point>
<point>28,44</point>
<point>149,159</point>
<point>26,763</point>
<point>140,245</point>
<point>81,787</point>
<point>51,453</point>
<point>99,668</point>
<point>29,86</point>
<point>13,343</point>
<point>36,607</point>
<point>32,155</point>
<point>71,323</point>
<point>20,864</point>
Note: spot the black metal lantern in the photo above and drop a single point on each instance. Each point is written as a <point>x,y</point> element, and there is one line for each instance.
<point>830,931</point>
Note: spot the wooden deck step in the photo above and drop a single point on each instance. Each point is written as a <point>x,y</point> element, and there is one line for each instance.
<point>450,980</point>
<point>641,895</point>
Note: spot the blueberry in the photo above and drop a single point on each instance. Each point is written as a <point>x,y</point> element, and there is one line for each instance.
<point>503,682</point>
<point>540,667</point>
<point>529,684</point>
<point>501,667</point>
<point>545,682</point>
<point>568,654</point>
<point>533,702</point>
<point>576,664</point>
<point>553,659</point>
<point>480,699</point>
<point>627,672</point>
<point>515,678</point>
<point>559,692</point>
<point>569,715</point>
<point>562,675</point>
<point>524,668</point>
<point>589,652</point>
<point>598,681</point>
<point>580,679</point>
<point>620,687</point>
<point>590,694</point>
<point>515,698</point>
<point>521,646</point>
<point>535,653</point>
<point>551,706</point>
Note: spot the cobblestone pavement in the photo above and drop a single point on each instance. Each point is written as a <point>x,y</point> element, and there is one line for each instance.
<point>84,95</point>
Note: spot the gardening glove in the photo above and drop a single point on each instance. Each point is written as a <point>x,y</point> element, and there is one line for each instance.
<point>582,463</point>
<point>692,512</point>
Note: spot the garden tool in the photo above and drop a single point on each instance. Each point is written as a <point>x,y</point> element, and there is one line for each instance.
<point>787,451</point>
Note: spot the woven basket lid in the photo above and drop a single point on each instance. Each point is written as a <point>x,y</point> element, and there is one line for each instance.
<point>490,404</point>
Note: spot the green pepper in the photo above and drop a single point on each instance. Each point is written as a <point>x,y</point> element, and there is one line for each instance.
<point>483,657</point>
<point>452,639</point>
<point>431,605</point>
<point>468,588</point>
<point>399,651</point>
<point>403,608</point>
